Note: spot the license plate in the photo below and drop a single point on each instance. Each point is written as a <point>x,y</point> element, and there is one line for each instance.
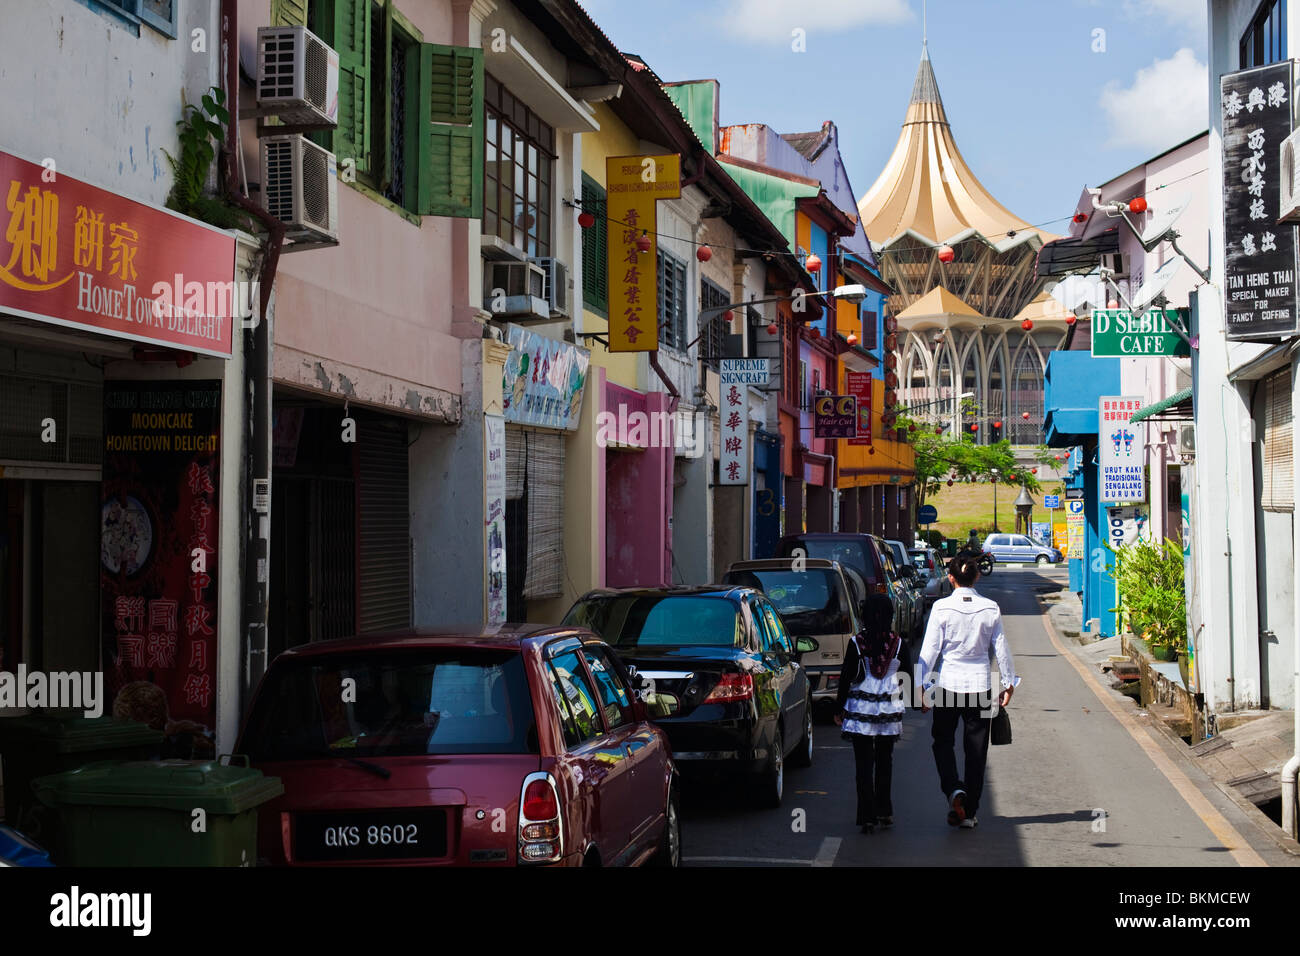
<point>370,835</point>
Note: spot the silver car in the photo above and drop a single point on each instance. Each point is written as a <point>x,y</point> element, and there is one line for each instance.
<point>1020,549</point>
<point>928,563</point>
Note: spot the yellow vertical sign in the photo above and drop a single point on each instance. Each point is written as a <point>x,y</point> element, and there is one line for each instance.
<point>633,184</point>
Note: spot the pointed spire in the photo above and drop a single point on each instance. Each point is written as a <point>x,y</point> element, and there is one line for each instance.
<point>926,91</point>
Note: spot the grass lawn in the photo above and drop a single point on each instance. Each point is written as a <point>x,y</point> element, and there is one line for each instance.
<point>966,506</point>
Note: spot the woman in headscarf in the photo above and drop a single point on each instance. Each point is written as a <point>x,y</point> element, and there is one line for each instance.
<point>871,710</point>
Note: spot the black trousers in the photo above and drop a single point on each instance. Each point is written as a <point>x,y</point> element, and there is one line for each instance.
<point>976,721</point>
<point>874,757</point>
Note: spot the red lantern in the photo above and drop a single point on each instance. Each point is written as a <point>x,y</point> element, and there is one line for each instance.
<point>949,482</point>
<point>1137,204</point>
<point>728,316</point>
<point>891,397</point>
<point>938,429</point>
<point>852,339</point>
<point>912,427</point>
<point>643,242</point>
<point>814,264</point>
<point>1033,470</point>
<point>1080,217</point>
<point>891,324</point>
<point>772,329</point>
<point>586,220</point>
<point>871,451</point>
<point>946,254</point>
<point>974,428</point>
<point>1057,457</point>
<point>891,361</point>
<point>1025,416</point>
<point>891,380</point>
<point>1027,324</point>
<point>891,341</point>
<point>704,253</point>
<point>997,424</point>
<point>1113,304</point>
<point>1071,319</point>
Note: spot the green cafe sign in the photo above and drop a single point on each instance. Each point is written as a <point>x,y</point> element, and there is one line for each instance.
<point>1117,333</point>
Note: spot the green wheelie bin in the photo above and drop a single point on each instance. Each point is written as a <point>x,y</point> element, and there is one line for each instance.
<point>157,813</point>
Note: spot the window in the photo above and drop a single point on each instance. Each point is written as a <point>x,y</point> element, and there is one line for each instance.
<point>805,404</point>
<point>567,671</point>
<point>159,14</point>
<point>766,640</point>
<point>712,347</point>
<point>410,114</point>
<point>1264,41</point>
<point>1277,476</point>
<point>672,301</point>
<point>869,331</point>
<point>776,628</point>
<point>629,620</point>
<point>517,183</point>
<point>614,697</point>
<point>595,251</point>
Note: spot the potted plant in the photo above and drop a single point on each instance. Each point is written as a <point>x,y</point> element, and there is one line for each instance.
<point>1149,579</point>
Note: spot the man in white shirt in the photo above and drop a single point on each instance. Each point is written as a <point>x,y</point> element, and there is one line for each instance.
<point>964,632</point>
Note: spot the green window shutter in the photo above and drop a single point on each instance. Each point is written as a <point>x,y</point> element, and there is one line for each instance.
<point>449,81</point>
<point>352,39</point>
<point>288,13</point>
<point>595,255</point>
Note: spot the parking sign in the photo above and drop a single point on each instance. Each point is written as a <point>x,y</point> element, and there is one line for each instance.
<point>1051,501</point>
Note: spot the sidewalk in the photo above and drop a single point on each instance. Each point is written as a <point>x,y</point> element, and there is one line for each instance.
<point>1243,761</point>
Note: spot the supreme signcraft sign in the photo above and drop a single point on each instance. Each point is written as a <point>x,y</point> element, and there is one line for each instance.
<point>75,255</point>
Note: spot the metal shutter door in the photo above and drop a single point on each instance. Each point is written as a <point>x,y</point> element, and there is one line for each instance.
<point>1277,491</point>
<point>385,559</point>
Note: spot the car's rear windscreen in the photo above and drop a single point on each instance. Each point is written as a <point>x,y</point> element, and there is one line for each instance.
<point>851,553</point>
<point>393,704</point>
<point>632,620</point>
<point>810,602</point>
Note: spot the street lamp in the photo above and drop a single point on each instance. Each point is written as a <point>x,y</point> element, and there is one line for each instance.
<point>995,499</point>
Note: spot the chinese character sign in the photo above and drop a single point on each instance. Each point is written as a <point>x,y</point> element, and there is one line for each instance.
<point>79,256</point>
<point>858,384</point>
<point>1121,449</point>
<point>733,421</point>
<point>543,380</point>
<point>633,185</point>
<point>1260,253</point>
<point>159,536</point>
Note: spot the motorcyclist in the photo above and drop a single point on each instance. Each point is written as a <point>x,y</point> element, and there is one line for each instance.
<point>973,542</point>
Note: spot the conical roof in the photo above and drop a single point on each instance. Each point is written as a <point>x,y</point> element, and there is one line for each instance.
<point>938,302</point>
<point>926,187</point>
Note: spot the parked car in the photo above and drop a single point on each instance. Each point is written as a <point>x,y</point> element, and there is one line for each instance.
<point>820,600</point>
<point>724,670</point>
<point>864,553</point>
<point>1012,548</point>
<point>521,744</point>
<point>912,581</point>
<point>935,576</point>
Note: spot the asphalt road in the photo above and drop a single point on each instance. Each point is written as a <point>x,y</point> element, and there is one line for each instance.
<point>1075,788</point>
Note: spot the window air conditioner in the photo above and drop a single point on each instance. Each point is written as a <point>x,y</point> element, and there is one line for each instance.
<point>297,76</point>
<point>515,290</point>
<point>1289,185</point>
<point>555,287</point>
<point>300,185</point>
<point>1187,440</point>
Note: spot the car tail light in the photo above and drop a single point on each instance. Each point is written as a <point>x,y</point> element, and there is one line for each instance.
<point>732,687</point>
<point>882,587</point>
<point>541,830</point>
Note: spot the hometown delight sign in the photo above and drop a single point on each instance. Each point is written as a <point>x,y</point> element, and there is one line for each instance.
<point>78,256</point>
<point>1121,447</point>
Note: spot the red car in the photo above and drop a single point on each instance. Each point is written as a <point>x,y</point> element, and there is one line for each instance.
<point>519,745</point>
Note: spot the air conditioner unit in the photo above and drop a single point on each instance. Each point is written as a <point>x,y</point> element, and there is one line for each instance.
<point>1187,441</point>
<point>1114,261</point>
<point>1289,184</point>
<point>555,288</point>
<point>515,290</point>
<point>297,76</point>
<point>300,187</point>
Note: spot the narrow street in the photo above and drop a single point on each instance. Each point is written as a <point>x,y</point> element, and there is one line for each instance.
<point>1071,757</point>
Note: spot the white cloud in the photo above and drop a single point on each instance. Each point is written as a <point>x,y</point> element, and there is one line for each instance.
<point>1168,102</point>
<point>775,19</point>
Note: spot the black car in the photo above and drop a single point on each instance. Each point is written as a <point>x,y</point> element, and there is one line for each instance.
<point>718,668</point>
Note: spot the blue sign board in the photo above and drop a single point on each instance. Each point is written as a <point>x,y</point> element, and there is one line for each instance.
<point>1051,501</point>
<point>927,514</point>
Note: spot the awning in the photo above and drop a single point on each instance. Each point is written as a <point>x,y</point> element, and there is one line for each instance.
<point>1063,257</point>
<point>1179,404</point>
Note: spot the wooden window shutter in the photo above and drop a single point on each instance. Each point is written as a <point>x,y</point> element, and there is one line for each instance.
<point>1277,487</point>
<point>289,13</point>
<point>595,251</point>
<point>352,39</point>
<point>449,80</point>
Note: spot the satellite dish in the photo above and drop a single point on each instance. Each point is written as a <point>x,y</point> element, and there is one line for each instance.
<point>1155,283</point>
<point>1164,213</point>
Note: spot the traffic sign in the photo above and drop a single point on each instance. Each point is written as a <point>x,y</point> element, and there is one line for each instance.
<point>1052,501</point>
<point>927,514</point>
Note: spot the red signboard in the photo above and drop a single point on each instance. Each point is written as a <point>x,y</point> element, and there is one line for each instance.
<point>859,384</point>
<point>75,255</point>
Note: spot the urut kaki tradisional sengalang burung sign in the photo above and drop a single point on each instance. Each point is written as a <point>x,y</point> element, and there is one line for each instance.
<point>1121,450</point>
<point>1259,253</point>
<point>75,255</point>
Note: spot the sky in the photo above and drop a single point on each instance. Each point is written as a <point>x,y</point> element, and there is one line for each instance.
<point>1044,97</point>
